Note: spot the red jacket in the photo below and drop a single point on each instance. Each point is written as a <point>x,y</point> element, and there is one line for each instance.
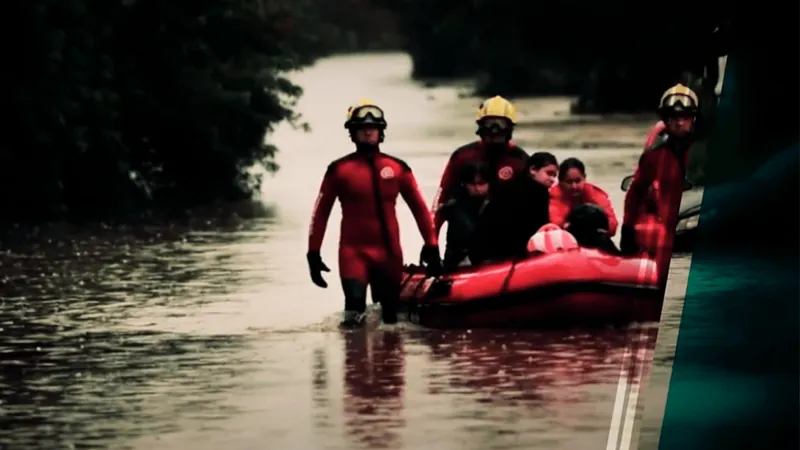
<point>506,167</point>
<point>561,204</point>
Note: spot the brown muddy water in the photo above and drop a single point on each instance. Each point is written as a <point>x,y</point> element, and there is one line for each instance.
<point>211,336</point>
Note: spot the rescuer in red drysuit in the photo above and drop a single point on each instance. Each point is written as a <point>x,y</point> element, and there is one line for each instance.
<point>367,183</point>
<point>573,190</point>
<point>496,118</point>
<point>655,193</point>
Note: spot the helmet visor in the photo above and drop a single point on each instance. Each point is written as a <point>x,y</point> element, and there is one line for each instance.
<point>494,124</point>
<point>365,112</point>
<point>679,104</point>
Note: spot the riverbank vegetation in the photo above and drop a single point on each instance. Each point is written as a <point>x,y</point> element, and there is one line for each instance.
<point>124,106</point>
<point>613,55</point>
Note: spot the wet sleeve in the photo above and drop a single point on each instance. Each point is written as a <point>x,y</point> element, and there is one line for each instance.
<point>409,189</point>
<point>637,191</point>
<point>322,211</point>
<point>444,193</point>
<point>601,199</point>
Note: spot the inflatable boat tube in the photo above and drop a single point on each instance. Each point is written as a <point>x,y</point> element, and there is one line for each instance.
<point>570,288</point>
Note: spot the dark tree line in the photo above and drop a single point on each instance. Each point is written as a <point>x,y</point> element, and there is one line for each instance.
<point>617,56</point>
<point>119,105</point>
<point>122,106</point>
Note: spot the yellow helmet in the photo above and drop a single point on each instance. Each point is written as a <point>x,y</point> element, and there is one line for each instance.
<point>497,107</point>
<point>678,99</point>
<point>365,112</point>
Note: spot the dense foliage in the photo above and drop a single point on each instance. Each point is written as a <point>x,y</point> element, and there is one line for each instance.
<point>120,106</point>
<point>617,55</point>
<point>124,104</point>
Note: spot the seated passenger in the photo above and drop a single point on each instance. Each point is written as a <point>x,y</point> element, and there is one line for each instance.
<point>589,223</point>
<point>461,213</point>
<point>515,212</point>
<point>550,239</point>
<point>543,167</point>
<point>573,190</point>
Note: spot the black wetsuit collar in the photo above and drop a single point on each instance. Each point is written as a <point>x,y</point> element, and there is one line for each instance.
<point>367,149</point>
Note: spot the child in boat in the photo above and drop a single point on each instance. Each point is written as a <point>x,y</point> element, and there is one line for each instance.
<point>462,211</point>
<point>543,168</point>
<point>573,190</point>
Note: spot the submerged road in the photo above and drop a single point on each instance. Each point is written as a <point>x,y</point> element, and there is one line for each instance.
<point>212,336</point>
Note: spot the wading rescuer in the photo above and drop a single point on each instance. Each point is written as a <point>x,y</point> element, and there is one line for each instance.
<point>653,199</point>
<point>496,118</point>
<point>367,183</point>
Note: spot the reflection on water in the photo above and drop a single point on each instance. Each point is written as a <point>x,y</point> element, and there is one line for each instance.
<point>62,388</point>
<point>374,378</point>
<point>529,366</point>
<point>208,334</point>
<point>410,388</point>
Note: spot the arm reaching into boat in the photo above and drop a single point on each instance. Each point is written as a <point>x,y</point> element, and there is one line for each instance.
<point>409,189</point>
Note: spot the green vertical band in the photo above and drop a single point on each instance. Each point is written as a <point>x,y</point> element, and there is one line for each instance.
<point>735,375</point>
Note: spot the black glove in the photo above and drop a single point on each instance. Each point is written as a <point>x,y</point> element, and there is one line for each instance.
<point>627,240</point>
<point>433,262</point>
<point>316,267</point>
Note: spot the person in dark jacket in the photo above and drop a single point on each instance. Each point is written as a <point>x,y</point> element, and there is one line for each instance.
<point>514,213</point>
<point>462,211</point>
<point>588,223</point>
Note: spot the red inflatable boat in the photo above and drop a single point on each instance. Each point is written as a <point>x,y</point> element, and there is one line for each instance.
<point>579,287</point>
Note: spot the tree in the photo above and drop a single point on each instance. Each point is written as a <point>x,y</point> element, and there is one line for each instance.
<point>123,105</point>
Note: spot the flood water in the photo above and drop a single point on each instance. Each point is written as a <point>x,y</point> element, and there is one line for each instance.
<point>211,336</point>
